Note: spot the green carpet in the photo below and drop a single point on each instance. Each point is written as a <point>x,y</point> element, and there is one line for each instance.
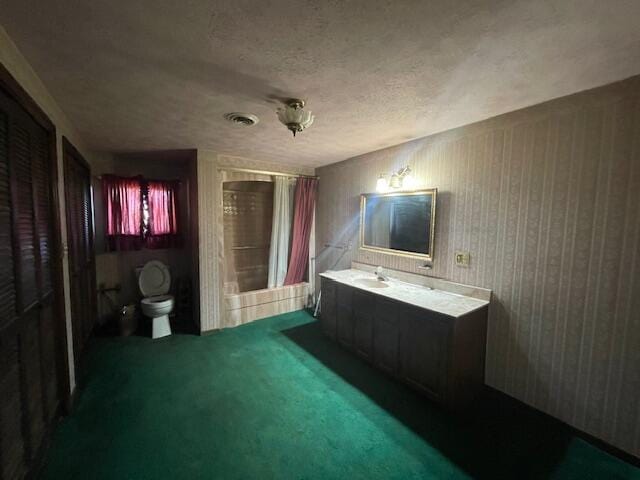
<point>275,399</point>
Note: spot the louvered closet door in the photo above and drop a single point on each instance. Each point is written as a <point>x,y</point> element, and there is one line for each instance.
<point>80,242</point>
<point>29,341</point>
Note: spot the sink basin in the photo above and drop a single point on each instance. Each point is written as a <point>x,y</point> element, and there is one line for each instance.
<point>370,283</point>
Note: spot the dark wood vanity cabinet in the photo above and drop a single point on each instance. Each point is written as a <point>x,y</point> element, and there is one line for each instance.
<point>441,356</point>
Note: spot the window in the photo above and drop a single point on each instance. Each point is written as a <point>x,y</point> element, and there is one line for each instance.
<point>161,229</point>
<point>123,212</point>
<point>140,213</point>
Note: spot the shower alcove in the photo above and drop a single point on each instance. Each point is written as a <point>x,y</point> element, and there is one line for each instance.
<point>247,224</point>
<point>248,212</point>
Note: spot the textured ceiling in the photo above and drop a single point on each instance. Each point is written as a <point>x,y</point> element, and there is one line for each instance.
<point>160,74</point>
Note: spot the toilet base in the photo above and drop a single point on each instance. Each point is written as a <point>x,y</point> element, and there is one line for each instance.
<point>161,327</point>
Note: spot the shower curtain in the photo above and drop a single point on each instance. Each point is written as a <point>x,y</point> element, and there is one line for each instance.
<point>280,231</point>
<point>305,201</point>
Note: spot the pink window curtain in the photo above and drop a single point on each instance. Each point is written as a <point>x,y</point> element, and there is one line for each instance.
<point>123,212</point>
<point>162,203</point>
<point>305,200</point>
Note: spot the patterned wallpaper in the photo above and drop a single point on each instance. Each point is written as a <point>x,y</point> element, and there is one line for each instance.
<point>547,201</point>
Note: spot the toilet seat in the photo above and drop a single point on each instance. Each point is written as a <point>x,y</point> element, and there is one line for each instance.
<point>154,279</point>
<point>156,299</point>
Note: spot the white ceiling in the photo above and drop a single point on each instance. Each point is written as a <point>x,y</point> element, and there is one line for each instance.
<point>160,74</point>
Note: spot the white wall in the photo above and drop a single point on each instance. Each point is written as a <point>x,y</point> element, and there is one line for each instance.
<point>18,66</point>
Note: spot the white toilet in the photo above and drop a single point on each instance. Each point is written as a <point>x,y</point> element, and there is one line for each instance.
<point>154,281</point>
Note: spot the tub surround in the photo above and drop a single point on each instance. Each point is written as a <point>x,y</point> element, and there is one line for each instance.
<point>433,294</point>
<point>240,308</point>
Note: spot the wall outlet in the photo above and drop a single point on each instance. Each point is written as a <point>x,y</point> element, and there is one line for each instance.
<point>462,259</point>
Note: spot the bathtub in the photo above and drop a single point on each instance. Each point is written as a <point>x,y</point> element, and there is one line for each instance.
<point>246,307</point>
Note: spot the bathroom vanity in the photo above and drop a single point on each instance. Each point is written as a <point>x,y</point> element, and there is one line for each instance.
<point>430,335</point>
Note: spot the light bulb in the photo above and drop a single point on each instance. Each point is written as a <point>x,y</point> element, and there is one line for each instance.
<point>396,181</point>
<point>381,184</point>
<point>409,182</point>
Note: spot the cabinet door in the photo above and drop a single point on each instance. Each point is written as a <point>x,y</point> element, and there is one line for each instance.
<point>81,255</point>
<point>29,340</point>
<point>345,316</point>
<point>386,336</point>
<point>425,339</point>
<point>32,377</point>
<point>328,312</point>
<point>363,313</point>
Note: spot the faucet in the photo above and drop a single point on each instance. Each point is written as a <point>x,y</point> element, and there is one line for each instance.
<point>381,275</point>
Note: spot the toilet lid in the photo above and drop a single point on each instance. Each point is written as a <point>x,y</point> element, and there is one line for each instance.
<point>154,279</point>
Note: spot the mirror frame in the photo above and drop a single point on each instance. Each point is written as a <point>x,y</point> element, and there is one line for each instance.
<point>402,253</point>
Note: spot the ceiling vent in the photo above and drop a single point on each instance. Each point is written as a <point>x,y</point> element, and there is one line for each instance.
<point>244,119</point>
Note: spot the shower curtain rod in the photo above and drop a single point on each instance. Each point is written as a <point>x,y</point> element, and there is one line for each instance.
<point>266,172</point>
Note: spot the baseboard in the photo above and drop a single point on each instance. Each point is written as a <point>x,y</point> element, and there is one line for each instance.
<point>494,396</point>
<point>206,333</point>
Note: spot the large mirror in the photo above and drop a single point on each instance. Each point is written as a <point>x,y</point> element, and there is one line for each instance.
<point>399,222</point>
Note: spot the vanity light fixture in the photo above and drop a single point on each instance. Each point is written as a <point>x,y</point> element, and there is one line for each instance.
<point>402,179</point>
<point>294,116</point>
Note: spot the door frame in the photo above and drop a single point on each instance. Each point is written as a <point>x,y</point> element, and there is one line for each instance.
<point>11,86</point>
<point>68,149</point>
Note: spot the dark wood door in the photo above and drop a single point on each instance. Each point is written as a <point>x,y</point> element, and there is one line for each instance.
<point>32,342</point>
<point>425,341</point>
<point>80,236</point>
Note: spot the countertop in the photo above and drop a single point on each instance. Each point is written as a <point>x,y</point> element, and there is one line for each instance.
<point>440,301</point>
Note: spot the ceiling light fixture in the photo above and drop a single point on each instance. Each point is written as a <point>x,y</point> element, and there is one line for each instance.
<point>400,179</point>
<point>294,116</point>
